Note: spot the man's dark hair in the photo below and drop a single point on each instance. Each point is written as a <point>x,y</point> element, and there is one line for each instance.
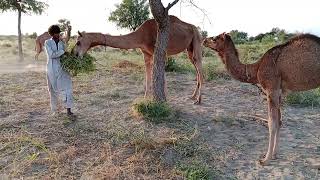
<point>54,29</point>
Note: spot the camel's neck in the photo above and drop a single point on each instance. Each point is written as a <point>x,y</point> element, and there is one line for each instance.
<point>128,41</point>
<point>68,35</point>
<point>242,72</point>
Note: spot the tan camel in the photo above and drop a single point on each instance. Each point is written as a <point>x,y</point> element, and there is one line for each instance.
<point>183,36</point>
<point>292,66</point>
<point>44,36</point>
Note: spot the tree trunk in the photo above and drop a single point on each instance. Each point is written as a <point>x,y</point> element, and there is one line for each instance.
<point>20,36</point>
<point>159,59</point>
<point>161,16</point>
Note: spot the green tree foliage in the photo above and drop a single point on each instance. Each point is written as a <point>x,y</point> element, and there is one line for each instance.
<point>275,35</point>
<point>203,33</point>
<point>25,6</point>
<point>22,6</point>
<point>63,24</point>
<point>238,37</point>
<point>34,35</point>
<point>130,14</point>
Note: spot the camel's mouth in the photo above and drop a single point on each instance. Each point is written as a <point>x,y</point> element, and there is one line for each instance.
<point>213,48</point>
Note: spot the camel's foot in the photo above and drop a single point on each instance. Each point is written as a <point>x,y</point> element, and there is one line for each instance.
<point>193,97</point>
<point>274,157</point>
<point>198,101</point>
<point>147,95</point>
<point>264,161</point>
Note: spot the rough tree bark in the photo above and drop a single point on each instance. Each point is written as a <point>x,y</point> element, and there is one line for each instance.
<point>20,36</point>
<point>160,14</point>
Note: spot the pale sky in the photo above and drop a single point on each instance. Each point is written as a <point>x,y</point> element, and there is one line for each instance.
<point>252,16</point>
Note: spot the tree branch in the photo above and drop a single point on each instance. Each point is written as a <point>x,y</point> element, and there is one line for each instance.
<point>171,4</point>
<point>204,12</point>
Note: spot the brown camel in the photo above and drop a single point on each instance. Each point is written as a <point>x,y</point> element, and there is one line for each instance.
<point>182,36</point>
<point>44,36</point>
<point>292,66</point>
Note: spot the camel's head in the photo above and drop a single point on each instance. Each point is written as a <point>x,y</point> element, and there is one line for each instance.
<point>82,44</point>
<point>216,43</point>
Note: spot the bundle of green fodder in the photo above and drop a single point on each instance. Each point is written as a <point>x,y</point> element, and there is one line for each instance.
<point>75,65</point>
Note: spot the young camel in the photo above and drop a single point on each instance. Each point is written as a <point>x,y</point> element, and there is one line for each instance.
<point>44,36</point>
<point>292,66</point>
<point>182,36</point>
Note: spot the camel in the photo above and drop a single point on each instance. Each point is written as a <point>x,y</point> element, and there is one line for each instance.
<point>291,66</point>
<point>44,36</point>
<point>183,36</point>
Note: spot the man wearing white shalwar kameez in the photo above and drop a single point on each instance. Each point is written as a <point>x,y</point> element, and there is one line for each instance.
<point>59,81</point>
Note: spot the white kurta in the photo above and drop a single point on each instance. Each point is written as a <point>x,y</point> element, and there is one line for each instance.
<point>59,81</point>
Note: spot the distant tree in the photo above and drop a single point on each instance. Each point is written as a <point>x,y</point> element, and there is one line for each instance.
<point>64,23</point>
<point>203,33</point>
<point>269,38</point>
<point>22,6</point>
<point>275,35</point>
<point>251,38</point>
<point>275,30</point>
<point>130,14</point>
<point>281,34</point>
<point>34,35</point>
<point>258,37</point>
<point>239,37</point>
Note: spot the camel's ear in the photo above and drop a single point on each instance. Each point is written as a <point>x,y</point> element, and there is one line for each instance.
<point>79,33</point>
<point>223,35</point>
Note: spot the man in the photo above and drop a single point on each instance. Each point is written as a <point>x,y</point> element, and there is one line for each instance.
<point>59,81</point>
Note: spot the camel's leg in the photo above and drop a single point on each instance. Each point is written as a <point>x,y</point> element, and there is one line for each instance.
<point>273,123</point>
<point>196,59</point>
<point>148,64</point>
<point>197,62</point>
<point>195,92</point>
<point>38,49</point>
<point>36,57</point>
<point>277,136</point>
<point>198,65</point>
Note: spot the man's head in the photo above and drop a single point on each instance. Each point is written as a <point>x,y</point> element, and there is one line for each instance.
<point>54,31</point>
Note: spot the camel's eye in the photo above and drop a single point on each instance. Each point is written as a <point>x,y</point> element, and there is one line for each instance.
<point>78,43</point>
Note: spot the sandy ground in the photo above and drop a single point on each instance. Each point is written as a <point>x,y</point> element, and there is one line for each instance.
<point>21,68</point>
<point>106,141</point>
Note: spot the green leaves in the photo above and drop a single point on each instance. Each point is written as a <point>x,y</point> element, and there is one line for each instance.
<point>63,24</point>
<point>26,6</point>
<point>239,37</point>
<point>75,65</point>
<point>304,99</point>
<point>153,111</point>
<point>130,14</point>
